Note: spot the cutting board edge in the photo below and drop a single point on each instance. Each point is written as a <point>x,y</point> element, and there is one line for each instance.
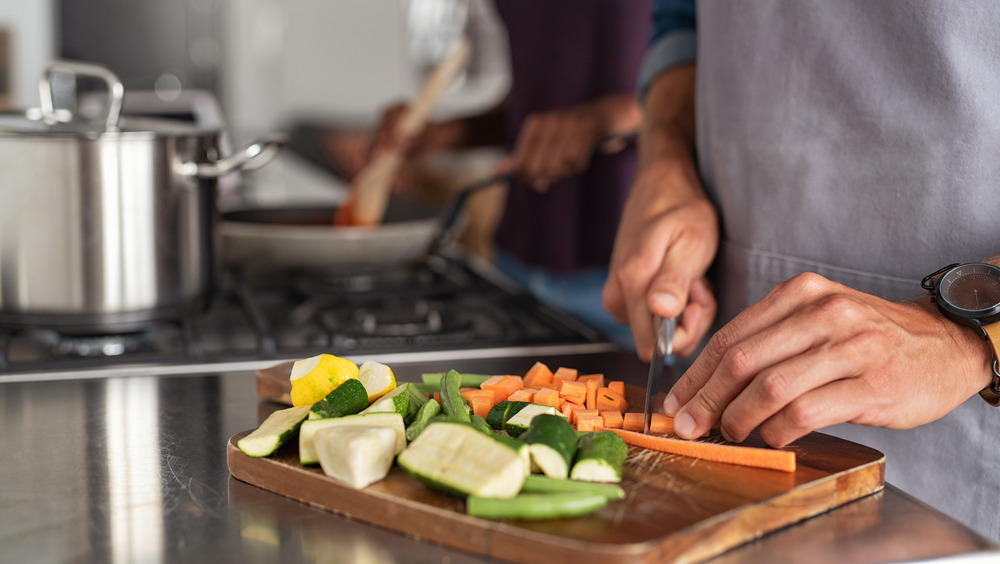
<point>684,545</point>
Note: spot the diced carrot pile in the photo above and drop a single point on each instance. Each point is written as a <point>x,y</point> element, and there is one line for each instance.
<point>587,400</point>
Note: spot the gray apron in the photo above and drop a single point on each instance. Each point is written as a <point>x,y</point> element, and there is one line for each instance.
<point>860,140</point>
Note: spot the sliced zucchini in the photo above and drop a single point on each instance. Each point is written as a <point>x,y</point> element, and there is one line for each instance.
<point>552,443</point>
<point>356,456</point>
<point>308,430</point>
<point>457,458</point>
<point>502,411</point>
<point>600,457</point>
<point>273,432</point>
<point>520,447</point>
<point>521,420</point>
<point>346,399</point>
<point>395,401</point>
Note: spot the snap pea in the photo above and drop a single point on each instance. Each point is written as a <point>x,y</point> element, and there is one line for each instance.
<point>452,403</point>
<point>536,483</point>
<point>534,506</point>
<point>468,380</point>
<point>423,417</point>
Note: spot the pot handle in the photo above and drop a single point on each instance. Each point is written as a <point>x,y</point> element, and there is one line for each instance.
<point>254,155</point>
<point>115,89</point>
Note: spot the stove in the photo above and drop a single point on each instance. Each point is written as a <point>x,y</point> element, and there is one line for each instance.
<point>446,307</point>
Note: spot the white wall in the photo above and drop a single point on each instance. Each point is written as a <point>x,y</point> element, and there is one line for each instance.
<point>31,25</point>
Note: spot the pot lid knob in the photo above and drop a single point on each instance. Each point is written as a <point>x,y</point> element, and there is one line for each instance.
<point>115,89</point>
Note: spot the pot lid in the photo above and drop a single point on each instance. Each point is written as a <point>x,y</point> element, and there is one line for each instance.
<point>47,119</point>
<point>32,123</point>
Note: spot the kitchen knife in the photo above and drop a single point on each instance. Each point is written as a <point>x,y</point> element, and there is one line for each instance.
<point>662,348</point>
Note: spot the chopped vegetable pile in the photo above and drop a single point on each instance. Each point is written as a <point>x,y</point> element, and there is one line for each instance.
<point>542,446</point>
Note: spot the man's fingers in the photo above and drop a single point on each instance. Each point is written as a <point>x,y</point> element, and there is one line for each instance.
<point>822,407</point>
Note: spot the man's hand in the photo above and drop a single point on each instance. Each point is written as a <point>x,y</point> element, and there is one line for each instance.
<point>813,353</point>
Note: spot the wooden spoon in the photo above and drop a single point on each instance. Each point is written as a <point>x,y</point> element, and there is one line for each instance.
<point>368,193</point>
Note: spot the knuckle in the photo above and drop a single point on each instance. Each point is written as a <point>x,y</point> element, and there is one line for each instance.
<point>720,342</point>
<point>737,362</point>
<point>774,386</point>
<point>801,414</point>
<point>839,307</point>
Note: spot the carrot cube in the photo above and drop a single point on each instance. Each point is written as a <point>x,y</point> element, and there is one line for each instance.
<point>547,396</point>
<point>480,405</point>
<point>527,395</point>
<point>660,423</point>
<point>609,400</point>
<point>503,386</point>
<point>618,386</point>
<point>589,423</point>
<point>612,419</point>
<point>598,378</point>
<point>485,395</point>
<point>575,392</point>
<point>578,413</point>
<point>633,422</point>
<point>593,383</point>
<point>563,374</point>
<point>567,410</point>
<point>537,376</point>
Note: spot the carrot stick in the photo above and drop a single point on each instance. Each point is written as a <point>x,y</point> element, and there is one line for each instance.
<point>773,459</point>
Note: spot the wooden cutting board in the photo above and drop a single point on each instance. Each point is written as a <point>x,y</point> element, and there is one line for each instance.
<point>676,509</point>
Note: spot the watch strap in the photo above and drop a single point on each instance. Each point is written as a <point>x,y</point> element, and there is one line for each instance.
<point>991,393</point>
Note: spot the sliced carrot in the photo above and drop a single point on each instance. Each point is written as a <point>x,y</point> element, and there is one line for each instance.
<point>567,410</point>
<point>773,459</point>
<point>612,419</point>
<point>547,396</point>
<point>660,423</point>
<point>537,376</point>
<point>618,386</point>
<point>570,410</point>
<point>610,400</point>
<point>562,374</point>
<point>580,413</point>
<point>527,395</point>
<point>633,422</point>
<point>589,423</point>
<point>562,402</point>
<point>486,395</point>
<point>480,405</point>
<point>598,378</point>
<point>575,392</point>
<point>503,386</point>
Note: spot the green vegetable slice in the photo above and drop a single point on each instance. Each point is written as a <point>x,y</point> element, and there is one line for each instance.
<point>535,506</point>
<point>348,398</point>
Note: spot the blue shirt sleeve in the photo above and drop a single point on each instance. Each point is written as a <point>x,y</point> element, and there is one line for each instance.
<point>673,41</point>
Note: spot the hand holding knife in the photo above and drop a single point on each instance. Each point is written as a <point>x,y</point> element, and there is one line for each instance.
<point>662,348</point>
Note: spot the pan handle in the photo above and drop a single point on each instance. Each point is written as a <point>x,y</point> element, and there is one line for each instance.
<point>449,217</point>
<point>252,156</point>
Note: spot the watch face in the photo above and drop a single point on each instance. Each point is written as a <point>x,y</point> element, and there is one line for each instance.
<point>972,290</point>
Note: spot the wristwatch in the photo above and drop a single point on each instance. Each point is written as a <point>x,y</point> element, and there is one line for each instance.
<point>969,294</point>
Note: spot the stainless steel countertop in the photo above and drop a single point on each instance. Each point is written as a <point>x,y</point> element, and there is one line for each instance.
<point>133,469</point>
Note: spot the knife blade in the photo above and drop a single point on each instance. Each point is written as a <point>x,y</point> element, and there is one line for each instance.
<point>662,348</point>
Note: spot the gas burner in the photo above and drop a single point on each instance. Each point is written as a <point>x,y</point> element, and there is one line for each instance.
<point>97,346</point>
<point>351,286</point>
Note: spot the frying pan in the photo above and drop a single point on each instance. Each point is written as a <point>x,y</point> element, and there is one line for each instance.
<point>306,239</point>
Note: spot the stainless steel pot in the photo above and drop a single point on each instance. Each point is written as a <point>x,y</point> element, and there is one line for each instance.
<point>107,226</point>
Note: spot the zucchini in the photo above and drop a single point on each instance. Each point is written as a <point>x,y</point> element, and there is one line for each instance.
<point>273,432</point>
<point>456,458</point>
<point>356,456</point>
<point>467,380</point>
<point>520,447</point>
<point>521,420</point>
<point>395,401</point>
<point>552,442</point>
<point>536,483</point>
<point>308,430</point>
<point>600,457</point>
<point>502,411</point>
<point>346,399</point>
<point>536,506</point>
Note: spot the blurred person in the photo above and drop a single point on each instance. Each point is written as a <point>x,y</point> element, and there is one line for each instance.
<point>574,65</point>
